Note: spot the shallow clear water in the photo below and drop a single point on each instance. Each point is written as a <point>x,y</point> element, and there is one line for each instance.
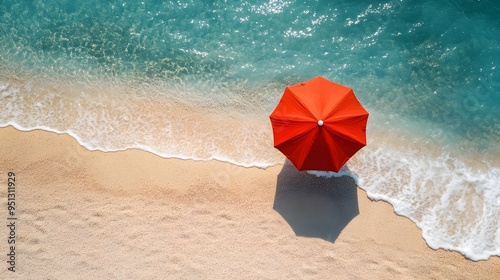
<point>198,79</point>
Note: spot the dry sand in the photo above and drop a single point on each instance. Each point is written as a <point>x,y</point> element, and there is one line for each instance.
<point>133,215</point>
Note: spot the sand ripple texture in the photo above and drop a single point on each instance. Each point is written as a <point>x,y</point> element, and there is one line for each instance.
<point>131,214</point>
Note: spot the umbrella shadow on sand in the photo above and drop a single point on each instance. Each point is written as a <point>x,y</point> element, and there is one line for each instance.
<point>316,206</point>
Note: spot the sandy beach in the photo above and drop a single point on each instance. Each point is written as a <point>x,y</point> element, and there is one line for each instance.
<point>133,215</point>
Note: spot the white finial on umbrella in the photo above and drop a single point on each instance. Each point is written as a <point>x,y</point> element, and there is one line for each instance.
<point>320,122</point>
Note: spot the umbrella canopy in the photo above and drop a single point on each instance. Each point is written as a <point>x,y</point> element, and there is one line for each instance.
<point>319,125</point>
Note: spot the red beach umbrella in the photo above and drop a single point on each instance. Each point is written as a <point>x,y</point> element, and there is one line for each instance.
<point>319,125</point>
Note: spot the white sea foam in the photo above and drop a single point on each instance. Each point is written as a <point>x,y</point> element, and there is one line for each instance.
<point>456,206</point>
<point>344,171</point>
<point>114,119</point>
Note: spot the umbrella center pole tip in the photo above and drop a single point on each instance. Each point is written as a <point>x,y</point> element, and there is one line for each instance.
<point>320,123</point>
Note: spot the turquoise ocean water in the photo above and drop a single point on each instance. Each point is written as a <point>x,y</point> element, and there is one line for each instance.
<point>198,79</point>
